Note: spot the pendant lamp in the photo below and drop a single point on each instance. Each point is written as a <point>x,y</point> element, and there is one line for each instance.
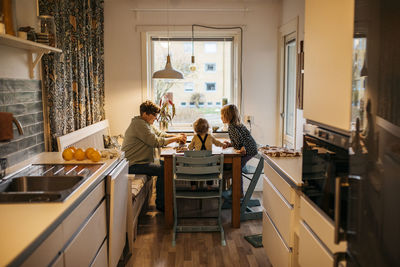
<point>168,72</point>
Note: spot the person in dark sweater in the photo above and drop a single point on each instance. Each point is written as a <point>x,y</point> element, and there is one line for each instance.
<point>239,135</point>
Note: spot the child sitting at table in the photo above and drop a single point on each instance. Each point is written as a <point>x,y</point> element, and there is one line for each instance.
<point>202,140</point>
<point>239,135</point>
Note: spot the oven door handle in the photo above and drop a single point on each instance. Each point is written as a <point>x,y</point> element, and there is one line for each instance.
<point>339,183</point>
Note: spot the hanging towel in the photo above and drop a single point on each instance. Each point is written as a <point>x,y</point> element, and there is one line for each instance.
<point>6,129</point>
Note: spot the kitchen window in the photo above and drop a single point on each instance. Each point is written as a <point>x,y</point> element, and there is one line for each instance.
<point>194,89</point>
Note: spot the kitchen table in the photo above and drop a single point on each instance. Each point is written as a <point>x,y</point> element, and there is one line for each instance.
<point>230,156</point>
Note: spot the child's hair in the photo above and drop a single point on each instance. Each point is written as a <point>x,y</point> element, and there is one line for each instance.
<point>231,114</point>
<point>201,126</point>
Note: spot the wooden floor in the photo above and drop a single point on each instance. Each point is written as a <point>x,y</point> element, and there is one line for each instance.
<point>153,246</point>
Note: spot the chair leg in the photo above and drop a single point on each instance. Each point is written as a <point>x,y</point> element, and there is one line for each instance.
<point>223,242</point>
<point>175,216</point>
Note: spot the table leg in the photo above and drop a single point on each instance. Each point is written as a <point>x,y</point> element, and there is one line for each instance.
<point>168,192</point>
<point>236,185</point>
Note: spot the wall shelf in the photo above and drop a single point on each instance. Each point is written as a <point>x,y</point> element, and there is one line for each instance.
<point>31,47</point>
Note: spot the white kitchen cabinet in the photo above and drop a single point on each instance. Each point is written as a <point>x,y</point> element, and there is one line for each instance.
<point>47,251</point>
<point>101,258</point>
<point>82,233</point>
<point>83,248</point>
<point>312,252</point>
<point>117,192</point>
<point>328,32</point>
<point>279,254</point>
<point>278,209</point>
<point>280,218</point>
<point>316,237</point>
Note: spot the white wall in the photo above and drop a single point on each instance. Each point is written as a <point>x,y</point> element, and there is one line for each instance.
<point>123,56</point>
<point>14,61</point>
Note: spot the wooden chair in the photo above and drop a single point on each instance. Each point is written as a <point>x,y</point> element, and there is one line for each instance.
<point>198,166</point>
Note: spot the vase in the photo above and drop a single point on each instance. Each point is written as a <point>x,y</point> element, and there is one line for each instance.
<point>163,125</point>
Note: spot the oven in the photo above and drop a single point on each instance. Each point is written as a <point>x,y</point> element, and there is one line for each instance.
<point>325,169</point>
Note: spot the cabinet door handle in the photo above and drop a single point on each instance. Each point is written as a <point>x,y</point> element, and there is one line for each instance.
<point>338,185</point>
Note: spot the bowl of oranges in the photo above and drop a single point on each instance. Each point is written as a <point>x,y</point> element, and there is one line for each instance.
<point>72,153</point>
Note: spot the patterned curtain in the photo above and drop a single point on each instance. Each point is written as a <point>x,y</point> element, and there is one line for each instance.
<point>74,80</point>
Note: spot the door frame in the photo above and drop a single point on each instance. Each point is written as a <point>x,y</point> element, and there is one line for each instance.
<point>289,28</point>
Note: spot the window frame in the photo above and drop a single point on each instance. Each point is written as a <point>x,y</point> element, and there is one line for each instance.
<point>147,32</point>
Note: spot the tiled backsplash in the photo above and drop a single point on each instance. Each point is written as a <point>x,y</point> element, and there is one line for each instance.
<point>23,98</point>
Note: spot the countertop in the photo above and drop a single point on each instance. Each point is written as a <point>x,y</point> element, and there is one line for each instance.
<point>24,226</point>
<point>290,168</point>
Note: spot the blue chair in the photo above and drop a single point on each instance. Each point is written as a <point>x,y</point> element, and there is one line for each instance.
<point>199,166</point>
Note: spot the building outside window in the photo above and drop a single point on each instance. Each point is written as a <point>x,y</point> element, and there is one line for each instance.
<point>211,87</point>
<point>189,86</point>
<point>192,104</point>
<point>210,48</point>
<point>183,104</point>
<point>218,104</point>
<point>210,67</point>
<point>209,104</point>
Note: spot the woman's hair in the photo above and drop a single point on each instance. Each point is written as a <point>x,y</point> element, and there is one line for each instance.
<point>201,126</point>
<point>149,108</point>
<point>231,114</point>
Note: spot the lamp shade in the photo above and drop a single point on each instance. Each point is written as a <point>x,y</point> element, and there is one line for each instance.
<point>168,72</point>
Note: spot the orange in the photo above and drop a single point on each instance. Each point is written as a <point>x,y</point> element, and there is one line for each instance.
<point>88,151</point>
<point>79,154</point>
<point>72,148</point>
<point>68,154</point>
<point>95,156</point>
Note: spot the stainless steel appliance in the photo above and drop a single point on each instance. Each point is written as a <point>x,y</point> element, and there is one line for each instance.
<point>325,163</point>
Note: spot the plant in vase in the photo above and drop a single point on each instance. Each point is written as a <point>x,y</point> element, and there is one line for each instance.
<point>167,112</point>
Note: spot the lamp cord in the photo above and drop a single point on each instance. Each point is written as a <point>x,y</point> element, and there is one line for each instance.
<point>241,47</point>
<point>168,24</point>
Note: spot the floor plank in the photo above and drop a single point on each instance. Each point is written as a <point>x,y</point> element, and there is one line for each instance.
<point>153,246</point>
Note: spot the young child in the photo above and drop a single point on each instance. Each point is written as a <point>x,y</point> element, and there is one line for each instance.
<point>240,137</point>
<point>202,141</point>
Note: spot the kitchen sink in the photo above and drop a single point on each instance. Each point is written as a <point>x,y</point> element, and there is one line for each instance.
<point>38,188</point>
<point>45,182</point>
